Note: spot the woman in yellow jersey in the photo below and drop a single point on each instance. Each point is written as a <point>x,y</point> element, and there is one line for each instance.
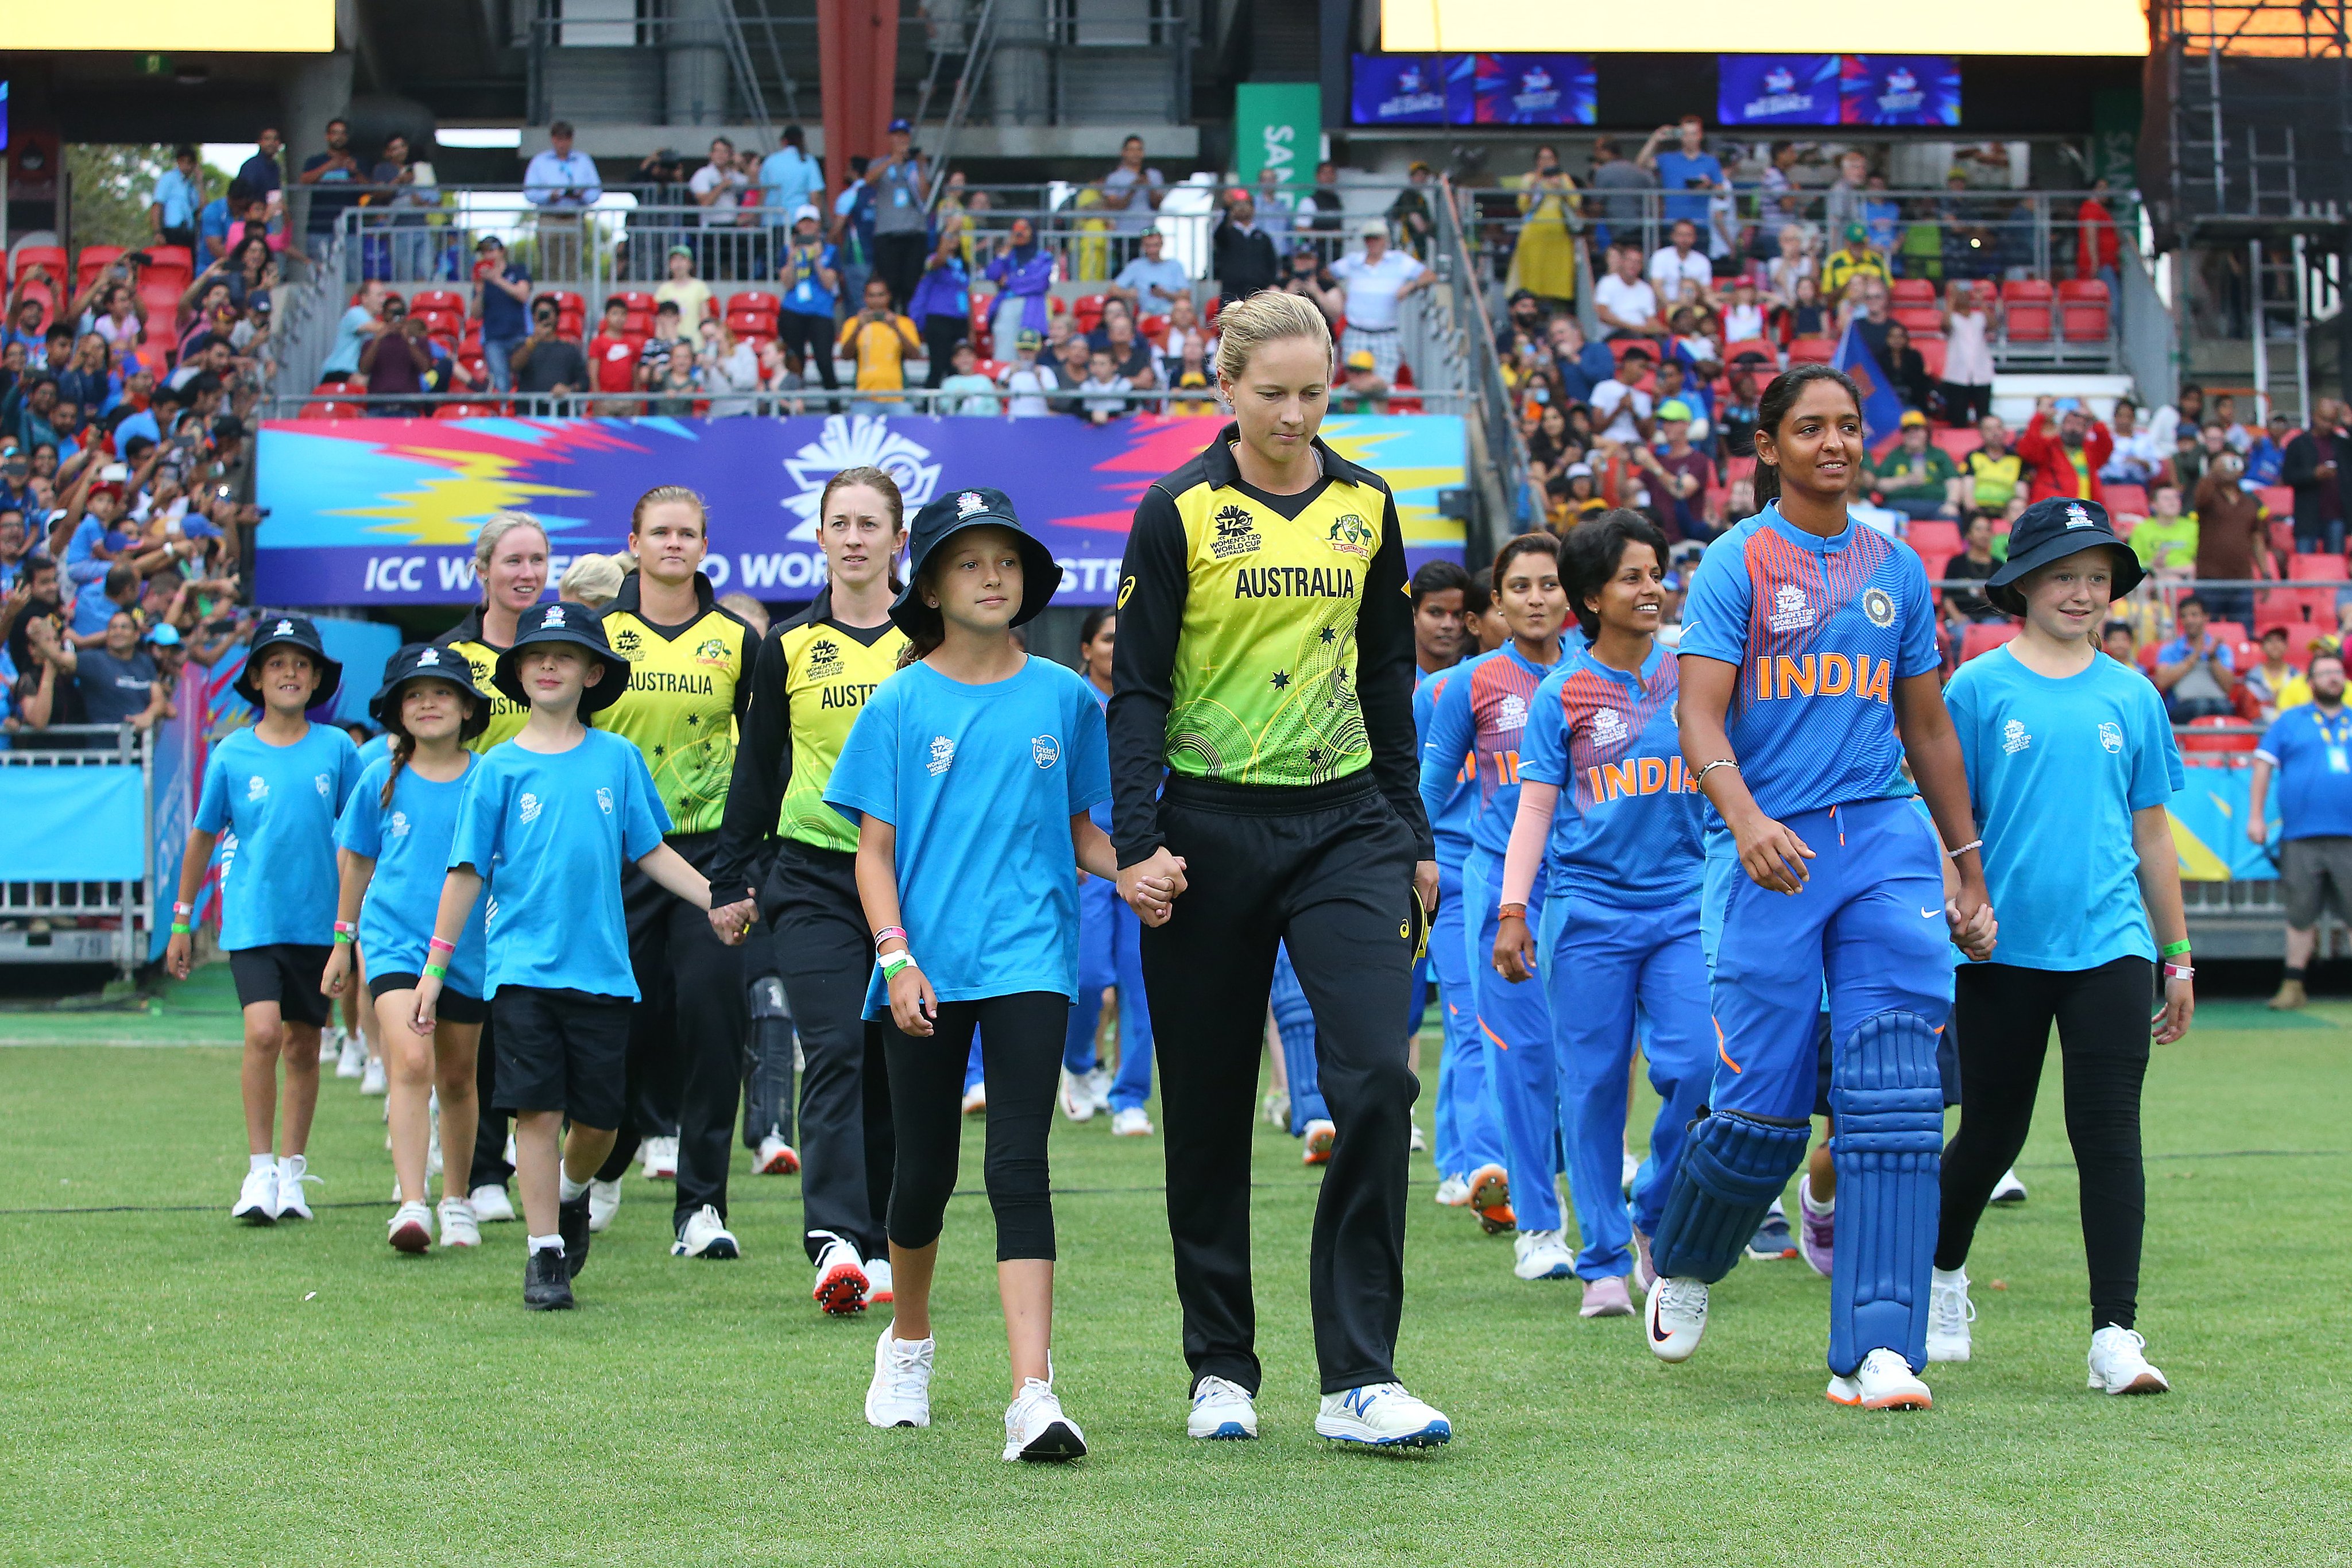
<point>689,677</point>
<point>813,675</point>
<point>511,568</point>
<point>1264,666</point>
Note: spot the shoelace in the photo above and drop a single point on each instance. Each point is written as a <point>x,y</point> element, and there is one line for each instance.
<point>1219,1389</point>
<point>903,1372</point>
<point>1033,1393</point>
<point>1684,1298</point>
<point>2133,1344</point>
<point>1952,1308</point>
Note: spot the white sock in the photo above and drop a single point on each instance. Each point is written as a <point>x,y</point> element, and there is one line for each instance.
<point>262,1163</point>
<point>568,1189</point>
<point>1958,1276</point>
<point>547,1244</point>
<point>293,1165</point>
<point>1805,1192</point>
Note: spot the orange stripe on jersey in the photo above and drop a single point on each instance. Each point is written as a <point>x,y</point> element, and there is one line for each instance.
<point>1719,1046</point>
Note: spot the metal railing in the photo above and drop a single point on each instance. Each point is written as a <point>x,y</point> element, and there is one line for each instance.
<point>41,921</point>
<point>1499,450</point>
<point>775,402</point>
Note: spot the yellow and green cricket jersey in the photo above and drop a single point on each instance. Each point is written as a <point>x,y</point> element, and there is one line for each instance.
<point>687,685</point>
<point>506,715</point>
<point>829,671</point>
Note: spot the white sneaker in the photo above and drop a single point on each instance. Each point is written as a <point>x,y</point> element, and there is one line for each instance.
<point>704,1235</point>
<point>2008,1189</point>
<point>1676,1316</point>
<point>1078,1104</point>
<point>257,1199</point>
<point>1275,1109</point>
<point>661,1159</point>
<point>604,1202</point>
<point>1541,1255</point>
<point>900,1394</point>
<point>350,1054</point>
<point>878,1292</point>
<point>1130,1122</point>
<point>1036,1430</point>
<point>1882,1382</point>
<point>1418,1144</point>
<point>1454,1192</point>
<point>1222,1408</point>
<point>1383,1416</point>
<point>840,1281</point>
<point>1318,1137</point>
<point>1628,1170</point>
<point>975,1098</point>
<point>490,1204</point>
<point>1949,1313</point>
<point>776,1157</point>
<point>372,1079</point>
<point>411,1228</point>
<point>458,1226</point>
<point>1099,1087</point>
<point>292,1172</point>
<point>2117,1365</point>
<point>506,1153</point>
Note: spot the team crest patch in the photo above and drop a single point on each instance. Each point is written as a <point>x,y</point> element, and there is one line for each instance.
<point>1045,749</point>
<point>712,651</point>
<point>1350,535</point>
<point>1878,605</point>
<point>2110,734</point>
<point>2076,517</point>
<point>1791,610</point>
<point>942,755</point>
<point>1608,727</point>
<point>1235,534</point>
<point>325,786</point>
<point>970,502</point>
<point>1511,712</point>
<point>627,643</point>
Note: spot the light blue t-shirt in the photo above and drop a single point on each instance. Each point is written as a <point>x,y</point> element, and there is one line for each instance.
<point>1626,831</point>
<point>1450,823</point>
<point>789,180</point>
<point>2313,755</point>
<point>274,808</point>
<point>1675,171</point>
<point>550,831</point>
<point>409,841</point>
<point>2056,768</point>
<point>377,748</point>
<point>981,783</point>
<point>1819,631</point>
<point>1141,275</point>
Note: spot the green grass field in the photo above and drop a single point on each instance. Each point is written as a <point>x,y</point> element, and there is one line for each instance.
<point>179,1389</point>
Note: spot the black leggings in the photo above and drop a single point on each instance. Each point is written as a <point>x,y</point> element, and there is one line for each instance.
<point>2004,1015</point>
<point>1021,1051</point>
<point>810,336</point>
<point>940,335</point>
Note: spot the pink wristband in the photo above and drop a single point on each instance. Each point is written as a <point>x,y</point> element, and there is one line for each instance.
<point>435,945</point>
<point>886,933</point>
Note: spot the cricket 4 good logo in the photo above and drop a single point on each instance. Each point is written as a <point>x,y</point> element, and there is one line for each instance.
<point>605,800</point>
<point>324,785</point>
<point>396,825</point>
<point>1234,532</point>
<point>2110,734</point>
<point>1045,749</point>
<point>1791,610</point>
<point>529,809</point>
<point>2013,738</point>
<point>256,788</point>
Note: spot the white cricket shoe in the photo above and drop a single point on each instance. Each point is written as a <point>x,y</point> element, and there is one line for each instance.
<point>257,1199</point>
<point>776,1157</point>
<point>1949,1313</point>
<point>411,1228</point>
<point>372,1077</point>
<point>1382,1415</point>
<point>491,1204</point>
<point>1454,1192</point>
<point>458,1226</point>
<point>704,1235</point>
<point>2118,1365</point>
<point>1222,1409</point>
<point>351,1053</point>
<point>1099,1087</point>
<point>878,1292</point>
<point>1676,1316</point>
<point>293,1170</point>
<point>975,1098</point>
<point>1036,1430</point>
<point>1419,1142</point>
<point>2008,1189</point>
<point>507,1152</point>
<point>1318,1137</point>
<point>900,1394</point>
<point>1882,1382</point>
<point>661,1159</point>
<point>1130,1122</point>
<point>604,1202</point>
<point>1541,1255</point>
<point>1078,1100</point>
<point>840,1281</point>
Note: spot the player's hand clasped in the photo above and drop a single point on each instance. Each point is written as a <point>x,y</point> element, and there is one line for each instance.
<point>1773,856</point>
<point>732,922</point>
<point>1151,885</point>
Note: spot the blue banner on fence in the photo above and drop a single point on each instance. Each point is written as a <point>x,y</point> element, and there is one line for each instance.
<point>72,824</point>
<point>1397,89</point>
<point>384,511</point>
<point>1777,89</point>
<point>1521,89</point>
<point>178,742</point>
<point>1899,89</point>
<point>2208,828</point>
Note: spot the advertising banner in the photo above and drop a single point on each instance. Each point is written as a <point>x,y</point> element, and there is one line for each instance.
<point>1777,89</point>
<point>1278,126</point>
<point>1397,89</point>
<point>1521,89</point>
<point>73,824</point>
<point>1899,89</point>
<point>384,511</point>
<point>2208,828</point>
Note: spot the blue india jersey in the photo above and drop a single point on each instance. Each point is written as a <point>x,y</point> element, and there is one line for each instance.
<point>1626,831</point>
<point>1820,630</point>
<point>1448,823</point>
<point>1482,713</point>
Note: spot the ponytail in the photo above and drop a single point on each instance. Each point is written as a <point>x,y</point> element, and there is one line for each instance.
<point>404,748</point>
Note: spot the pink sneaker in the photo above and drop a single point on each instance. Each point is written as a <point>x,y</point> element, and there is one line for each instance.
<point>1817,1231</point>
<point>1606,1299</point>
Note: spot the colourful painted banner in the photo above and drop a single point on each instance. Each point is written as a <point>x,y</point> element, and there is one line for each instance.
<point>2208,827</point>
<point>384,511</point>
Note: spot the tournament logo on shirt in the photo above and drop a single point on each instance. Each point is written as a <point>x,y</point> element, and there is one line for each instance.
<point>2076,517</point>
<point>529,805</point>
<point>627,643</point>
<point>824,659</point>
<point>2110,734</point>
<point>396,825</point>
<point>2013,738</point>
<point>1236,533</point>
<point>1878,605</point>
<point>1511,712</point>
<point>942,755</point>
<point>1791,610</point>
<point>1045,749</point>
<point>1350,535</point>
<point>1608,727</point>
<point>256,788</point>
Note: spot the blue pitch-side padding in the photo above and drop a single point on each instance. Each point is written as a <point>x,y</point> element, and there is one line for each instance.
<point>1888,1098</point>
<point>1733,1167</point>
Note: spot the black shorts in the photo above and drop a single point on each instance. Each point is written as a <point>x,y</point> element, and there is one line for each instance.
<point>562,1050</point>
<point>1947,1065</point>
<point>286,973</point>
<point>455,1006</point>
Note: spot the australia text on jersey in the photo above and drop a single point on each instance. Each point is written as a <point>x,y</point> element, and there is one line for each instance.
<point>1294,582</point>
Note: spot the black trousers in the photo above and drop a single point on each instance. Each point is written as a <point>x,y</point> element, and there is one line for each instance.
<point>1021,1053</point>
<point>2004,1015</point>
<point>810,336</point>
<point>770,1079</point>
<point>899,262</point>
<point>825,954</point>
<point>940,335</point>
<point>1965,404</point>
<point>490,1166</point>
<point>686,1039</point>
<point>1327,869</point>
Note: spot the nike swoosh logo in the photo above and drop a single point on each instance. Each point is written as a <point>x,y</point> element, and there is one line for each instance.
<point>1658,1338</point>
<point>1929,913</point>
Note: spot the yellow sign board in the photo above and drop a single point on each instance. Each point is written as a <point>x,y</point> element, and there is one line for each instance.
<point>187,27</point>
<point>1743,27</point>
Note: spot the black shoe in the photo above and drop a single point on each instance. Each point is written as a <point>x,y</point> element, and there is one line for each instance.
<point>546,1283</point>
<point>572,1224</point>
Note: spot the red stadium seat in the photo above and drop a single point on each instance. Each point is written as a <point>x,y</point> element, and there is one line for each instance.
<point>2279,499</point>
<point>754,301</point>
<point>93,260</point>
<point>2296,609</point>
<point>1931,355</point>
<point>328,403</point>
<point>1154,328</point>
<point>2229,630</point>
<point>1401,403</point>
<point>2082,310</point>
<point>1621,346</point>
<point>1208,318</point>
<point>1933,562</point>
<point>2027,311</point>
<point>2127,500</point>
<point>1910,291</point>
<point>1984,636</point>
<point>466,410</point>
<point>1921,323</point>
<point>638,324</point>
<point>635,299</point>
<point>1934,534</point>
<point>51,257</point>
<point>1811,351</point>
<point>1956,444</point>
<point>437,299</point>
<point>2281,537</point>
<point>1733,353</point>
<point>568,324</point>
<point>2199,735</point>
<point>2317,569</point>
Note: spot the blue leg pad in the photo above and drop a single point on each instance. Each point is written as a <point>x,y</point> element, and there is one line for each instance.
<point>1733,1167</point>
<point>1888,1097</point>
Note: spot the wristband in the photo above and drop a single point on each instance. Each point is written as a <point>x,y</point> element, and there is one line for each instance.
<point>901,959</point>
<point>2179,971</point>
<point>183,908</point>
<point>1512,911</point>
<point>180,928</point>
<point>342,937</point>
<point>438,971</point>
<point>1707,768</point>
<point>885,934</point>
<point>347,927</point>
<point>1971,844</point>
<point>435,943</point>
<point>2173,949</point>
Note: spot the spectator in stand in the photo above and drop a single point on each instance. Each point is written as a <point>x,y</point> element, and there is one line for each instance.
<point>1579,366</point>
<point>1105,388</point>
<point>1136,359</point>
<point>613,356</point>
<point>1026,381</point>
<point>1842,204</point>
<point>2233,541</point>
<point>116,680</point>
<point>1625,303</point>
<point>683,289</point>
<point>1185,332</point>
<point>1023,272</point>
<point>393,363</point>
<point>1362,389</point>
<point>1308,275</point>
<point>1793,266</point>
<point>1975,563</point>
<point>2065,462</point>
<point>809,276</point>
<point>968,393</point>
<point>360,323</point>
<point>941,307</point>
<point>1992,473</point>
<point>2188,408</point>
<point>853,231</point>
<point>1685,173</point>
<point>1685,475</point>
<point>1854,259</point>
<point>1411,216</point>
<point>790,179</point>
<point>1916,477</point>
<point>2115,641</point>
<point>261,174</point>
<point>1194,379</point>
<point>1133,190</point>
<point>2136,460</point>
<point>334,177</point>
<point>2187,464</point>
<point>1743,313</point>
<point>2098,248</point>
<point>501,302</point>
<point>1619,406</point>
<point>901,229</point>
<point>562,182</point>
<point>1377,279</point>
<point>2196,671</point>
<point>1880,215</point>
<point>1673,381</point>
<point>1617,184</point>
<point>2168,536</point>
<point>178,201</point>
<point>1151,283</point>
<point>546,363</point>
<point>2224,417</point>
<point>1907,371</point>
<point>1275,206</point>
<point>717,189</point>
<point>1324,201</point>
<point>879,340</point>
<point>1809,317</point>
<point>1681,261</point>
<point>2307,750</point>
<point>1544,262</point>
<point>729,369</point>
<point>2266,458</point>
<point>1072,363</point>
<point>2273,685</point>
